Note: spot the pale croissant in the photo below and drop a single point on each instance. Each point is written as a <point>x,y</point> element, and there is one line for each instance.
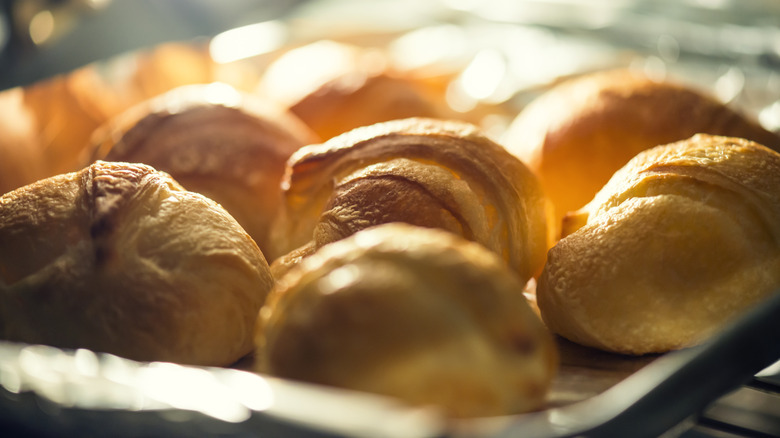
<point>414,313</point>
<point>680,241</point>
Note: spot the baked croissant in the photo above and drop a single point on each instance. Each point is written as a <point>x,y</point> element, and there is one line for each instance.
<point>425,172</point>
<point>165,67</point>
<point>21,158</point>
<point>414,313</point>
<point>144,74</point>
<point>213,140</point>
<point>119,258</point>
<point>66,110</point>
<point>681,239</point>
<point>575,136</point>
<point>350,87</point>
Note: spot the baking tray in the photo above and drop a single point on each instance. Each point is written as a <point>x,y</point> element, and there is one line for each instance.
<point>52,392</point>
<point>725,48</point>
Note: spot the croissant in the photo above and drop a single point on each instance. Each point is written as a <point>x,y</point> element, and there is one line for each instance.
<point>680,240</point>
<point>415,313</point>
<point>575,136</point>
<point>165,67</point>
<point>119,258</point>
<point>425,172</point>
<point>351,87</point>
<point>66,110</point>
<point>21,158</point>
<point>213,140</point>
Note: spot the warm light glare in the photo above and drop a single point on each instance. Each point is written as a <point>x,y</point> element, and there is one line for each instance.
<point>86,362</point>
<point>482,78</point>
<point>247,41</point>
<point>291,76</point>
<point>339,279</point>
<point>41,27</point>
<point>97,4</point>
<point>43,367</point>
<point>730,85</point>
<point>251,390</point>
<point>10,379</point>
<point>770,119</point>
<point>429,46</point>
<point>218,93</point>
<point>191,389</point>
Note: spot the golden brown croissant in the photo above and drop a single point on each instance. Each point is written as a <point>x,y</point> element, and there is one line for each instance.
<point>120,258</point>
<point>414,313</point>
<point>67,109</point>
<point>350,87</point>
<point>680,240</point>
<point>432,173</point>
<point>145,74</point>
<point>579,133</point>
<point>165,67</point>
<point>213,140</point>
<point>21,160</point>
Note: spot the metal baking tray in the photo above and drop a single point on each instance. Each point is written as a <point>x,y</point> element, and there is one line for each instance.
<point>710,390</point>
<point>50,392</point>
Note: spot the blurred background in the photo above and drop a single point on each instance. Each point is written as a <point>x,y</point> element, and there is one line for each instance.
<point>728,46</point>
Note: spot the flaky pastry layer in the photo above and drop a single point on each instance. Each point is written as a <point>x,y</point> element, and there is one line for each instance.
<point>427,172</point>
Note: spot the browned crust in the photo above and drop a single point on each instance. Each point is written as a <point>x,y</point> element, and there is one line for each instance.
<point>233,151</point>
<point>508,192</point>
<point>119,258</point>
